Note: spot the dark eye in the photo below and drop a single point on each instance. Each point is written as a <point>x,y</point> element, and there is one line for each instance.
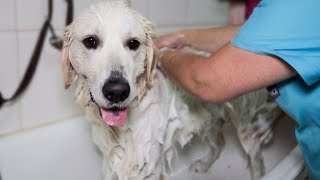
<point>91,42</point>
<point>133,44</point>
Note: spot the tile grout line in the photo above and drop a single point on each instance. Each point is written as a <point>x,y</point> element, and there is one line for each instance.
<point>47,124</point>
<point>18,61</point>
<point>26,30</point>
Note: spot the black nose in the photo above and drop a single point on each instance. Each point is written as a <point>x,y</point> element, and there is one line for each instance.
<point>116,90</point>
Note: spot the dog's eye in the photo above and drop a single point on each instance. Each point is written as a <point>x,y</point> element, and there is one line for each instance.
<point>133,44</point>
<point>91,42</point>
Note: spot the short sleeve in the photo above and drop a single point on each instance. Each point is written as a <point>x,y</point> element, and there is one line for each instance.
<point>289,29</point>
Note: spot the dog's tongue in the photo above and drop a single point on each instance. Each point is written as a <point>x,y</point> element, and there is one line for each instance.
<point>114,118</point>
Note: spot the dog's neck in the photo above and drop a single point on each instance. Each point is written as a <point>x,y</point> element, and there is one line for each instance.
<point>145,82</point>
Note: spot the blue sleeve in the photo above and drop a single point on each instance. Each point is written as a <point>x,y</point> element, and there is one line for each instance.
<point>289,29</point>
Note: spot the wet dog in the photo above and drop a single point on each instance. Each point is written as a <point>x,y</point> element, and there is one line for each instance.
<point>138,116</point>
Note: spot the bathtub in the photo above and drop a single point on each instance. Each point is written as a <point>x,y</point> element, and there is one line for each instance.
<point>64,151</point>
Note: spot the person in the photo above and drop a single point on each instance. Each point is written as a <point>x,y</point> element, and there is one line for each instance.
<point>277,47</point>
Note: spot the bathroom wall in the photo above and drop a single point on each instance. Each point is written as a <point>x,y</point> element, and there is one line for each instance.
<point>46,101</point>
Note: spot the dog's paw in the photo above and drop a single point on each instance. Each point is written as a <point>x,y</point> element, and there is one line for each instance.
<point>199,167</point>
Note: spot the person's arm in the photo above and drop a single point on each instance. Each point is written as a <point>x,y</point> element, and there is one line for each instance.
<point>228,73</point>
<point>209,40</point>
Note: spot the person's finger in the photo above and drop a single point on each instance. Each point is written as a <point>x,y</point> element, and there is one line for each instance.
<point>172,40</point>
<point>164,41</point>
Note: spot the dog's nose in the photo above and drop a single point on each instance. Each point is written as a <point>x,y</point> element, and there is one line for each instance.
<point>116,91</point>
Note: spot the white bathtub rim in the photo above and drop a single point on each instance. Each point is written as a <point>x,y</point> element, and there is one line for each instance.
<point>288,168</point>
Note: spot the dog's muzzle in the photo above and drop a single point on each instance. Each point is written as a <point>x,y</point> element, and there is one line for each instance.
<point>116,90</point>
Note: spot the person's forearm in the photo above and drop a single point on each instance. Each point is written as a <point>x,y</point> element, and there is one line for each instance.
<point>228,73</point>
<point>182,69</point>
<point>190,72</point>
<point>210,39</point>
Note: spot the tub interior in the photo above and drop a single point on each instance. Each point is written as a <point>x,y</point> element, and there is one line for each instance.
<point>65,151</point>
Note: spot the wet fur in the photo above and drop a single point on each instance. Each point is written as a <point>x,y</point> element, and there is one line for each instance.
<point>161,116</point>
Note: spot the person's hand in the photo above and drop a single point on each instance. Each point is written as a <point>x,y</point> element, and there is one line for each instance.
<point>176,40</point>
<point>160,53</point>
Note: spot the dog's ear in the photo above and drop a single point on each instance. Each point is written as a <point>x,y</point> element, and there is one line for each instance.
<point>150,49</point>
<point>69,73</point>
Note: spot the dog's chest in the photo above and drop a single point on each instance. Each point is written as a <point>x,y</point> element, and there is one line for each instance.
<point>143,136</point>
<point>151,116</point>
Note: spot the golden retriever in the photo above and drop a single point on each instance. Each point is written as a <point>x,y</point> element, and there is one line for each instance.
<point>138,116</point>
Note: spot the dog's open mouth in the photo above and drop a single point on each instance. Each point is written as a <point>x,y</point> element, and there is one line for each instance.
<point>114,116</point>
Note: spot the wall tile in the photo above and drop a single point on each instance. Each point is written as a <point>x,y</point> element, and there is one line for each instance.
<point>59,14</point>
<point>142,6</point>
<point>80,6</point>
<point>207,12</point>
<point>31,14</point>
<point>7,15</point>
<point>168,12</point>
<point>46,99</point>
<point>9,115</point>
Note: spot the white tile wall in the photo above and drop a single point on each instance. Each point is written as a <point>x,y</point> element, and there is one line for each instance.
<point>9,115</point>
<point>142,6</point>
<point>59,13</point>
<point>46,100</point>
<point>208,12</point>
<point>30,14</point>
<point>7,15</point>
<point>169,12</point>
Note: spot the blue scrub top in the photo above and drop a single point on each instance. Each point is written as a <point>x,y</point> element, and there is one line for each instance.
<point>290,29</point>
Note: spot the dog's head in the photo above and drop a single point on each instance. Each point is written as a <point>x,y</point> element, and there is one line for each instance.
<point>109,47</point>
